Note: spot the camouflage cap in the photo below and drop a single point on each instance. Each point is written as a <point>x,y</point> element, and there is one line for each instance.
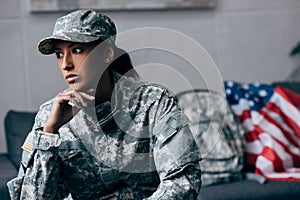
<point>80,26</point>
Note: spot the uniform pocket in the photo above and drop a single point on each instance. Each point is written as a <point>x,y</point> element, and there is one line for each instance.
<point>70,149</point>
<point>68,154</point>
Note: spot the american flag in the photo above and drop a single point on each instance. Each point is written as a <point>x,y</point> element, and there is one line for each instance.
<point>270,116</point>
<point>28,144</point>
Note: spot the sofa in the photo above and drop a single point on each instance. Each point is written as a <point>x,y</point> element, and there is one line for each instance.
<point>19,123</point>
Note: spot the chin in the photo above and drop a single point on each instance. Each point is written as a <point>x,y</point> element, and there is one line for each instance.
<point>74,86</point>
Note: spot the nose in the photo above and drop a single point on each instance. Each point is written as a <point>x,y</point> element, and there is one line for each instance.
<point>68,62</point>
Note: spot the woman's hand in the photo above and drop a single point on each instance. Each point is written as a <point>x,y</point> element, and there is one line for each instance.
<point>65,106</point>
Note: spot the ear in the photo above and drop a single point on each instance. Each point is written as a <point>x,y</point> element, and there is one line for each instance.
<point>110,54</point>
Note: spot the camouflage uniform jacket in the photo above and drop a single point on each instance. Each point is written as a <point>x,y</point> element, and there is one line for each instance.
<point>138,146</point>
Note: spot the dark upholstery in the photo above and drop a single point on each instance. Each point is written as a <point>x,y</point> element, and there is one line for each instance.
<point>7,172</point>
<point>294,86</point>
<point>251,190</point>
<point>17,125</point>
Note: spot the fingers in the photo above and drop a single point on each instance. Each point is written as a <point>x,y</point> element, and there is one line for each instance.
<point>83,98</point>
<point>75,102</point>
<point>77,98</point>
<point>65,106</point>
<point>65,98</point>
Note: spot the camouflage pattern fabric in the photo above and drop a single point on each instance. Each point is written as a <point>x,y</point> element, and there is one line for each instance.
<point>218,134</point>
<point>138,146</point>
<point>80,26</point>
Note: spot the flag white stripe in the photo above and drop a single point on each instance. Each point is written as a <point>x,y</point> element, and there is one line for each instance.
<point>294,149</point>
<point>239,108</point>
<point>266,167</point>
<point>248,125</point>
<point>256,117</point>
<point>275,134</point>
<point>275,116</point>
<point>254,147</point>
<point>287,108</point>
<point>273,130</point>
<point>285,158</point>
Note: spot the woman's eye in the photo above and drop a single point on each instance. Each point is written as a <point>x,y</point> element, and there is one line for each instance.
<point>59,54</point>
<point>77,50</point>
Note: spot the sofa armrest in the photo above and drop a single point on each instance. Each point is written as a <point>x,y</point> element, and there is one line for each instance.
<point>17,126</point>
<point>7,172</point>
<point>7,168</point>
<point>294,86</point>
<point>251,190</point>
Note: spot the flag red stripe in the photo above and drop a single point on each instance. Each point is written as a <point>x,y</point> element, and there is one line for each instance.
<point>272,121</point>
<point>251,158</point>
<point>295,157</point>
<point>272,106</point>
<point>246,114</point>
<point>271,155</point>
<point>290,96</point>
<point>269,177</point>
<point>253,135</point>
<point>272,135</point>
<point>258,171</point>
<point>27,145</point>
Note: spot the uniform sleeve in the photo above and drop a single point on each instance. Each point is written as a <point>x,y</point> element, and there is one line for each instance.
<point>176,154</point>
<point>39,174</point>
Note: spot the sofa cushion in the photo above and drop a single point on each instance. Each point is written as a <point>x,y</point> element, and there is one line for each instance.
<point>7,172</point>
<point>17,125</point>
<point>246,189</point>
<point>294,86</point>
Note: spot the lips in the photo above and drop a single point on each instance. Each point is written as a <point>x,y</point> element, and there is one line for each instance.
<point>71,78</point>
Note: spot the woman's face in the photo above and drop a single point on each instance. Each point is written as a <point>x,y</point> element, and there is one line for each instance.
<point>80,66</point>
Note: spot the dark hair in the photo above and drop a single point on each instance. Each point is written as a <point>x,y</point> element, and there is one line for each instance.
<point>122,62</point>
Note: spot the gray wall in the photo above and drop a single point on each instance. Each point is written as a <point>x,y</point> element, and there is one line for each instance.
<point>249,40</point>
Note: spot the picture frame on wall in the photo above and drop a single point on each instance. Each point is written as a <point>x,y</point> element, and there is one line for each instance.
<point>118,5</point>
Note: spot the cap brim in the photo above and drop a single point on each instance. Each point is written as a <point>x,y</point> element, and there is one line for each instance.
<point>46,45</point>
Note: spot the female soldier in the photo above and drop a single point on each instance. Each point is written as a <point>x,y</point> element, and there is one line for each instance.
<point>110,135</point>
